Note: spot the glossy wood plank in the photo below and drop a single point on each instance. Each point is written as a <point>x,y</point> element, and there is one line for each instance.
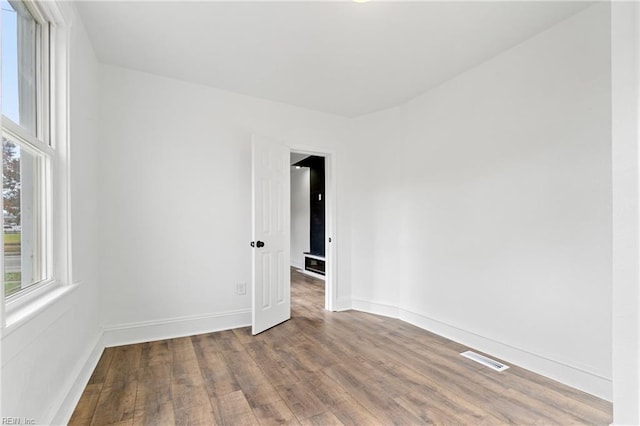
<point>196,415</point>
<point>189,391</point>
<point>124,365</point>
<point>275,368</point>
<point>154,385</point>
<point>302,400</point>
<point>275,413</point>
<point>218,378</point>
<point>158,413</point>
<point>323,419</point>
<point>321,368</point>
<point>255,385</point>
<point>155,353</point>
<point>87,405</point>
<point>235,410</point>
<point>116,404</point>
<point>100,373</point>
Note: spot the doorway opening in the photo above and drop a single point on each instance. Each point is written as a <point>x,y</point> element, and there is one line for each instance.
<point>310,241</point>
<point>271,227</point>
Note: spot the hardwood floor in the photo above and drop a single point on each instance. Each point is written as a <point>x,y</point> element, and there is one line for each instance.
<point>321,368</point>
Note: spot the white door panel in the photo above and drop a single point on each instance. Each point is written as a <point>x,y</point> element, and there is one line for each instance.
<point>271,302</point>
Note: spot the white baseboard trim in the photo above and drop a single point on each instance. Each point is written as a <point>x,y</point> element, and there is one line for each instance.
<point>147,331</point>
<point>375,308</point>
<point>75,389</point>
<point>586,381</point>
<point>342,305</point>
<point>570,375</point>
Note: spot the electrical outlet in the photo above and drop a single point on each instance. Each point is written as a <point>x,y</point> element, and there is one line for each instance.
<point>241,289</point>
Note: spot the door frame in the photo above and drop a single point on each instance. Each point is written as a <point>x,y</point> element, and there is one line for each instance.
<point>330,237</point>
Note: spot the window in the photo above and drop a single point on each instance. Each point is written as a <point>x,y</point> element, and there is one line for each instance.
<point>31,154</point>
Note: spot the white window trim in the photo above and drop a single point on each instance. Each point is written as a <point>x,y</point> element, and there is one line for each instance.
<point>28,302</point>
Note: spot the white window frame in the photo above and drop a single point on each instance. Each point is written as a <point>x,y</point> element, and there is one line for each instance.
<point>52,123</point>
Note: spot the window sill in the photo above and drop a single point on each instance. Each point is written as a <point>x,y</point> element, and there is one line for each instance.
<point>25,311</point>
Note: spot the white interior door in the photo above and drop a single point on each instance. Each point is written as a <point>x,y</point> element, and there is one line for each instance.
<point>271,279</point>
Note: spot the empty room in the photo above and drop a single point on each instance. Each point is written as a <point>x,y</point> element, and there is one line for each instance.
<point>320,212</point>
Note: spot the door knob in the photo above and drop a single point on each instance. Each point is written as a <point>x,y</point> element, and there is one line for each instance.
<point>259,244</point>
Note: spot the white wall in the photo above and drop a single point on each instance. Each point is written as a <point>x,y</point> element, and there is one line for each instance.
<point>43,356</point>
<point>625,34</point>
<point>300,215</point>
<point>495,226</point>
<point>379,231</point>
<point>175,200</point>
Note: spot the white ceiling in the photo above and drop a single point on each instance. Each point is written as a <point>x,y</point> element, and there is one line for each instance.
<point>342,58</point>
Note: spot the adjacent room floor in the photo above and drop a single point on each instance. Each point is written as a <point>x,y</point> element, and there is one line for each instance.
<point>321,368</point>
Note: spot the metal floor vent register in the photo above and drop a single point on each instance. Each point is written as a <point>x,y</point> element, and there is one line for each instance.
<point>498,366</point>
